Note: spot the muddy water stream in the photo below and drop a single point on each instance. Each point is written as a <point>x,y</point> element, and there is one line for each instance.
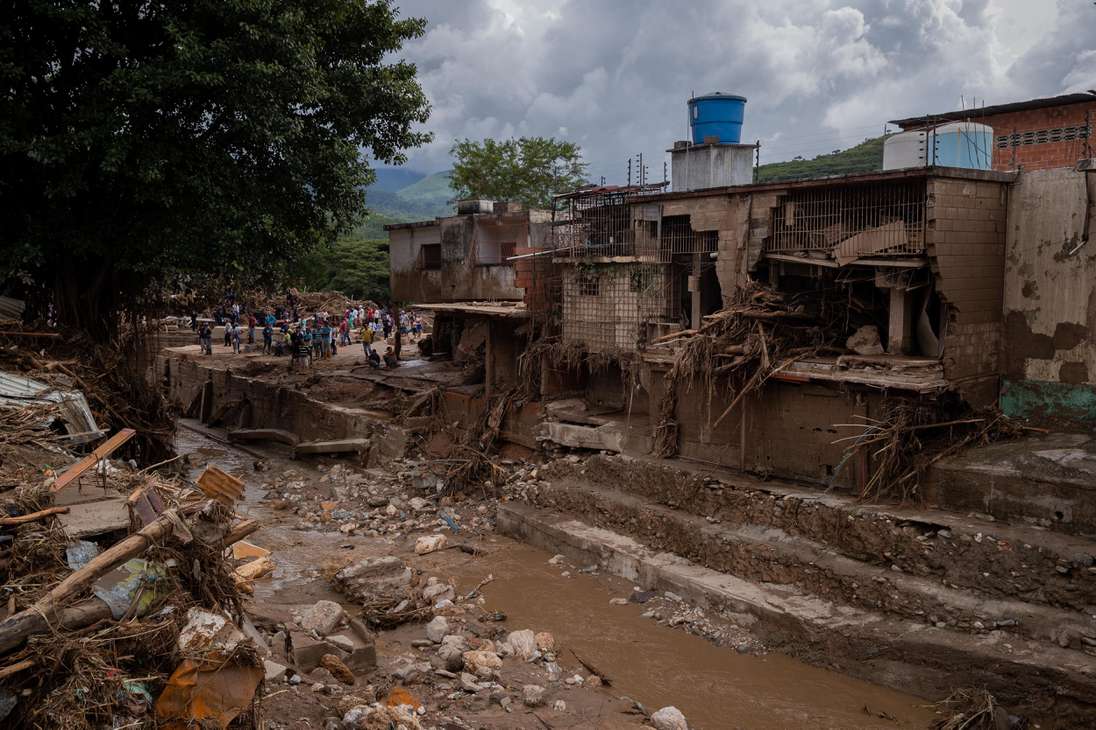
<point>657,665</point>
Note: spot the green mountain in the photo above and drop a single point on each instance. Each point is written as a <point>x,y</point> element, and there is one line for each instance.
<point>432,190</point>
<point>392,179</point>
<point>864,157</point>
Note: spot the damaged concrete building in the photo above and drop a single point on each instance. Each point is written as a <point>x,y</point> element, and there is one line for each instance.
<point>461,268</point>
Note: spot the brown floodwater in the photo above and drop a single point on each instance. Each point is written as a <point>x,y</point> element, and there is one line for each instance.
<point>715,687</point>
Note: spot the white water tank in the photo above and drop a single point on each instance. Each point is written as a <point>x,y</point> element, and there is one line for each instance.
<point>905,149</point>
<point>958,144</point>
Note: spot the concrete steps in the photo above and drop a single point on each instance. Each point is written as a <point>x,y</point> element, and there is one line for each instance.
<point>1036,677</point>
<point>990,559</point>
<point>771,555</point>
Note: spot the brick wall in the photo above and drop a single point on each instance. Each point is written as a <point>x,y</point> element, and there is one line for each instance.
<point>1045,155</point>
<point>965,239</point>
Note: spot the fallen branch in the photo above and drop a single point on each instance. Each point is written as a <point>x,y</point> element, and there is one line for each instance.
<point>592,669</point>
<point>33,516</point>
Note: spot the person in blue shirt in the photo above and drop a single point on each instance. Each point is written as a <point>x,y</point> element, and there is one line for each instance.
<point>325,340</point>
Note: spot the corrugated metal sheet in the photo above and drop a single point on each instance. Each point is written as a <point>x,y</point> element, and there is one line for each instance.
<point>18,391</point>
<point>221,486</point>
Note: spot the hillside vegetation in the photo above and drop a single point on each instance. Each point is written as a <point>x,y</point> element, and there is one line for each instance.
<point>864,157</point>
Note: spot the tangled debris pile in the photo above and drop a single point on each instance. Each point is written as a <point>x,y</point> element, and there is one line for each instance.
<point>760,333</point>
<point>108,584</point>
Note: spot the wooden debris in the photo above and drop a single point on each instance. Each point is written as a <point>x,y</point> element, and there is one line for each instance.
<point>101,452</point>
<point>221,486</point>
<point>33,516</point>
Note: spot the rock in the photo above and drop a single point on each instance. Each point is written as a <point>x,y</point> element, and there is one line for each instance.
<point>207,631</point>
<point>524,644</point>
<point>338,670</point>
<point>307,651</point>
<point>618,601</point>
<point>545,641</point>
<point>554,671</point>
<point>420,505</point>
<point>323,617</point>
<point>532,695</point>
<point>559,706</point>
<point>371,576</point>
<point>429,544</point>
<point>294,679</point>
<point>468,682</point>
<point>273,670</point>
<point>437,629</point>
<point>556,559</point>
<point>865,341</point>
<point>476,661</point>
<point>342,641</point>
<point>451,652</point>
<point>438,592</point>
<point>669,718</point>
<point>410,672</point>
<point>360,648</point>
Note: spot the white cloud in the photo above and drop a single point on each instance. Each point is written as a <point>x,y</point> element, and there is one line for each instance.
<point>614,75</point>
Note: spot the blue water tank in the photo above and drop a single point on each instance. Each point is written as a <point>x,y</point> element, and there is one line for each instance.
<point>717,115</point>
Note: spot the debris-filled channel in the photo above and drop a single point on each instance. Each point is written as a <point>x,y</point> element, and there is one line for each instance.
<point>643,648</point>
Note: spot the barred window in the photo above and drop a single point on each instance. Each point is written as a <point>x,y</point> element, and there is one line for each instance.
<point>1042,136</point>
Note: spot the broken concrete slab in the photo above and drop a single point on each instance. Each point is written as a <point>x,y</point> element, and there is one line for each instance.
<point>607,437</point>
<point>340,446</point>
<point>308,652</point>
<point>264,434</point>
<point>357,653</point>
<point>371,576</point>
<point>96,518</point>
<point>323,617</point>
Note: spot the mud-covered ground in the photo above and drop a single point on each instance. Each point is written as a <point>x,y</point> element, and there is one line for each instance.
<point>604,654</point>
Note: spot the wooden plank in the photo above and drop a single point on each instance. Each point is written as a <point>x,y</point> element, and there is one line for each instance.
<point>221,486</point>
<point>101,452</point>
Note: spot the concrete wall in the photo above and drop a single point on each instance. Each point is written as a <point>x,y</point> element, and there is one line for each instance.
<point>1050,299</point>
<point>965,239</point>
<point>472,263</point>
<point>697,167</point>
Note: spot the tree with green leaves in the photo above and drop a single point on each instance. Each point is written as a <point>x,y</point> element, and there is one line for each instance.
<point>529,170</point>
<point>147,147</point>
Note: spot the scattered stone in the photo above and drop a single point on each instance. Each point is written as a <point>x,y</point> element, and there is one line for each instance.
<point>307,651</point>
<point>556,559</point>
<point>437,629</point>
<point>372,576</point>
<point>532,695</point>
<point>438,591</point>
<point>273,670</point>
<point>669,718</point>
<point>865,341</point>
<point>206,631</point>
<point>545,641</point>
<point>559,706</point>
<point>323,617</point>
<point>618,601</point>
<point>524,644</point>
<point>479,661</point>
<point>429,544</point>
<point>468,683</point>
<point>451,652</point>
<point>338,670</point>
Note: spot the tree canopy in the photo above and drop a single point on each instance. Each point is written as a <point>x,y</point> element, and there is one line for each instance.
<point>148,145</point>
<point>528,170</point>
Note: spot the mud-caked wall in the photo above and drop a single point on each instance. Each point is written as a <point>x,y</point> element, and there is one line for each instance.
<point>1050,298</point>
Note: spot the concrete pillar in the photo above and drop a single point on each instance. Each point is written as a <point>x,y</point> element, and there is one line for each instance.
<point>900,330</point>
<point>694,289</point>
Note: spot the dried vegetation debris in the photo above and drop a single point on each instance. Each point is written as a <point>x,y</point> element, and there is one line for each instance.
<point>91,628</point>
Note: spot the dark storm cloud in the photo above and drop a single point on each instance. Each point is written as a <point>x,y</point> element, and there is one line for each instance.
<point>613,75</point>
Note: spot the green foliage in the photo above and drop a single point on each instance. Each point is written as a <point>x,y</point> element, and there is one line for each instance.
<point>357,268</point>
<point>178,144</point>
<point>529,170</point>
<point>864,157</point>
<point>434,191</point>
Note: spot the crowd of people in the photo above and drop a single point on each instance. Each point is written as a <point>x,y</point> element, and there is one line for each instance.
<point>305,339</point>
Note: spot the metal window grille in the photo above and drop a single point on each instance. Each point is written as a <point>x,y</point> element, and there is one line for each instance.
<point>678,237</point>
<point>598,222</point>
<point>847,222</point>
<point>607,310</point>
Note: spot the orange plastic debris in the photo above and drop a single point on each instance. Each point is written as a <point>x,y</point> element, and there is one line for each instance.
<point>401,696</point>
<point>206,694</point>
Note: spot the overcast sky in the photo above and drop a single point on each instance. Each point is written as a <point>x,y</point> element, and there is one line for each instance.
<point>613,75</point>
